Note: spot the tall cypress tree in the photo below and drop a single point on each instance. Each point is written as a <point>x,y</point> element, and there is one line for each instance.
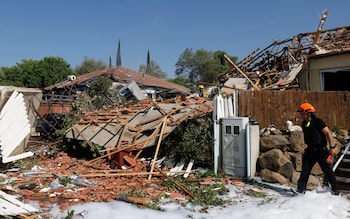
<point>119,59</point>
<point>110,62</point>
<point>148,68</point>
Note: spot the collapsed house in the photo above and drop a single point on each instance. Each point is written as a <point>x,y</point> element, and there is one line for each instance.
<point>136,126</point>
<point>39,112</point>
<point>23,110</point>
<point>314,61</point>
<point>153,109</point>
<point>130,84</point>
<point>121,77</point>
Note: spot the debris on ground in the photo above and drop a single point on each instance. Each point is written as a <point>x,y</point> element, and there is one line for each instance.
<point>66,181</point>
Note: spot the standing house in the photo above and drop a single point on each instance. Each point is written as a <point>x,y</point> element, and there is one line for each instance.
<point>329,71</point>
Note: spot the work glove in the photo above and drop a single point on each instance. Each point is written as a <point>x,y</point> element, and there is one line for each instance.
<point>330,157</point>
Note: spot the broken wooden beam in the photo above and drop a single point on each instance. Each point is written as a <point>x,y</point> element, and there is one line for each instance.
<point>177,184</point>
<point>158,145</point>
<point>119,149</point>
<point>135,200</point>
<point>242,73</point>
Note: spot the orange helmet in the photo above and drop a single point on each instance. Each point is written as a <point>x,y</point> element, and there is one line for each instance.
<point>306,108</point>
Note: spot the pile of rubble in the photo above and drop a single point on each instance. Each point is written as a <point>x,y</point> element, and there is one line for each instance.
<point>52,177</point>
<point>126,131</point>
<point>43,182</point>
<point>67,181</point>
<point>281,153</point>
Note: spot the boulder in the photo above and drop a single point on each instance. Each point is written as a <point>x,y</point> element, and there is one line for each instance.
<point>281,153</point>
<point>297,161</point>
<point>276,132</point>
<point>273,142</point>
<point>276,161</point>
<point>273,177</point>
<point>296,140</point>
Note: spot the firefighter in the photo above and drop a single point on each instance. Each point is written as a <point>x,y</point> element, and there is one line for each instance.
<point>316,135</point>
<point>201,90</point>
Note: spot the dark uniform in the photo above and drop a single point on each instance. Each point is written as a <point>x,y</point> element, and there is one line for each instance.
<point>316,151</point>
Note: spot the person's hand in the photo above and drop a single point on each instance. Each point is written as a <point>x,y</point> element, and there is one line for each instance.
<point>333,150</point>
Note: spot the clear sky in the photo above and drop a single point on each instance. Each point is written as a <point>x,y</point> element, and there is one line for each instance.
<point>74,29</point>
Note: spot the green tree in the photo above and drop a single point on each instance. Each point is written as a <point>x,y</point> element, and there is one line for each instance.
<point>154,70</point>
<point>2,75</point>
<point>53,70</point>
<point>100,93</point>
<point>100,86</point>
<point>89,65</point>
<point>193,139</point>
<point>10,76</point>
<point>37,74</point>
<point>201,65</point>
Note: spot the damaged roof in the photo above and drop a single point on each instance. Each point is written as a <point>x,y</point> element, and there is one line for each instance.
<point>137,124</point>
<point>277,65</point>
<point>122,75</point>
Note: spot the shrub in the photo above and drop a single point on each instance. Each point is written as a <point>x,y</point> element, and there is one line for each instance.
<point>193,139</point>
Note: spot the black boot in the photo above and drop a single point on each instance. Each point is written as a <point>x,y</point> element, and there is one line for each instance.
<point>335,192</point>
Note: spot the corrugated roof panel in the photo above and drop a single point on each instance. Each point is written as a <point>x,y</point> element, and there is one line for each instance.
<point>14,127</point>
<point>10,206</point>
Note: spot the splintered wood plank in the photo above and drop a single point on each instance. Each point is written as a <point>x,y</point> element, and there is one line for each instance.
<point>158,146</point>
<point>189,168</point>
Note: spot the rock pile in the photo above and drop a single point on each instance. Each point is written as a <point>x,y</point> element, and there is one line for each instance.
<point>281,153</point>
